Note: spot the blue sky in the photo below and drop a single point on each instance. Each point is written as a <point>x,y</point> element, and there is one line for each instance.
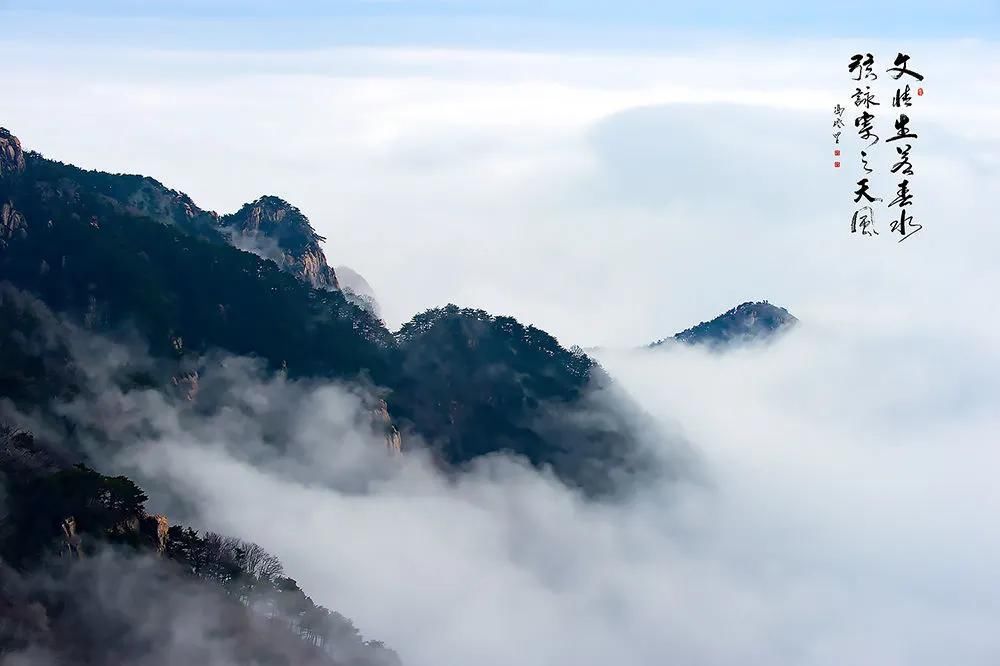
<point>490,23</point>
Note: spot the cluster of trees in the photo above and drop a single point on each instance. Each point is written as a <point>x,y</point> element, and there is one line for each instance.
<point>745,322</point>
<point>72,513</point>
<point>256,579</point>
<point>484,383</point>
<point>47,512</point>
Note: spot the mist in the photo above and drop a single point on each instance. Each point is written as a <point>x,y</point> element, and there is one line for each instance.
<point>840,512</point>
<point>842,505</point>
<point>680,181</point>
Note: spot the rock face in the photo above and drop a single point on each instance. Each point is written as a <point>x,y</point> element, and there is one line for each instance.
<point>155,530</point>
<point>747,322</point>
<point>274,229</point>
<point>11,163</point>
<point>11,155</point>
<point>383,422</point>
<point>11,222</point>
<point>71,538</point>
<point>187,384</point>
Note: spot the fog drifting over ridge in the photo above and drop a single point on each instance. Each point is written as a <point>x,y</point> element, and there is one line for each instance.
<point>842,517</point>
<point>846,510</point>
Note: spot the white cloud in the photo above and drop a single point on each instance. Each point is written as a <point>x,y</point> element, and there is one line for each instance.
<point>843,517</point>
<point>535,184</point>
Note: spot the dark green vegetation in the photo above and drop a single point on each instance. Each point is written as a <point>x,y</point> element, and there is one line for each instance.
<point>112,252</point>
<point>90,577</point>
<point>487,384</point>
<point>89,257</point>
<point>84,254</point>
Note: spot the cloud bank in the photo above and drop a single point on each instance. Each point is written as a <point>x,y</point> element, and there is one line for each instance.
<point>676,183</point>
<point>841,516</point>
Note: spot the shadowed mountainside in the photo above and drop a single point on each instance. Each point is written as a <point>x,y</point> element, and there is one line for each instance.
<point>119,252</point>
<point>89,576</point>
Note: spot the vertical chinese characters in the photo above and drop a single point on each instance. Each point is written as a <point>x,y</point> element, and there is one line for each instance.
<point>865,102</point>
<point>900,141</point>
<point>904,225</point>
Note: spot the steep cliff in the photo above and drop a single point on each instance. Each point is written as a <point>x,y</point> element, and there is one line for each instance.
<point>274,229</point>
<point>11,155</point>
<point>11,222</point>
<point>11,165</point>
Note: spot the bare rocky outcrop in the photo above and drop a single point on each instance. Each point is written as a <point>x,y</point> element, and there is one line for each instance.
<point>154,530</point>
<point>187,384</point>
<point>11,222</point>
<point>11,155</point>
<point>383,422</point>
<point>11,163</point>
<point>71,538</point>
<point>274,229</point>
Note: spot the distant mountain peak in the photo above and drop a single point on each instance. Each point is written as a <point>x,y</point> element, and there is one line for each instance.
<point>274,229</point>
<point>747,322</point>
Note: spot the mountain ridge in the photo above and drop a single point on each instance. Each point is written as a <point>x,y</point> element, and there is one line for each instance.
<point>751,321</point>
<point>186,291</point>
<point>274,229</point>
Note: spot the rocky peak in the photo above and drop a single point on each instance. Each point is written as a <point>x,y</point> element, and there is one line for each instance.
<point>11,162</point>
<point>746,322</point>
<point>272,228</point>
<point>11,155</point>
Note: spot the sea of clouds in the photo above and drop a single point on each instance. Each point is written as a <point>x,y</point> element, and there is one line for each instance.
<point>844,507</point>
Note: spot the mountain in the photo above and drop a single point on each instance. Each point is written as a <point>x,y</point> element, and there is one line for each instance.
<point>115,285</point>
<point>465,383</point>
<point>751,321</point>
<point>89,576</point>
<point>485,384</point>
<point>274,229</point>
